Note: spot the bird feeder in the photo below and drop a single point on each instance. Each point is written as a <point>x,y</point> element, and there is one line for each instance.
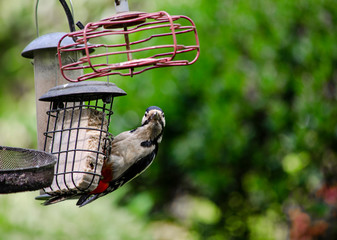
<point>43,51</point>
<point>25,169</point>
<point>73,118</point>
<point>77,133</point>
<point>129,43</point>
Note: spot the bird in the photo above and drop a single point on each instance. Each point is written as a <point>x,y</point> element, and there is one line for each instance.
<point>129,154</point>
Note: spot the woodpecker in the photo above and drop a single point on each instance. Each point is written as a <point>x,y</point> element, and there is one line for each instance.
<point>130,154</point>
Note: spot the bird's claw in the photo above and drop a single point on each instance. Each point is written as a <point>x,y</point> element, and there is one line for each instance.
<point>107,145</point>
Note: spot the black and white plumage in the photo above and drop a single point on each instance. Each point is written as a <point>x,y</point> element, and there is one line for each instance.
<point>132,152</point>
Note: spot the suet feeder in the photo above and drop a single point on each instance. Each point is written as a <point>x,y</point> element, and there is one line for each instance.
<point>129,43</point>
<point>77,133</point>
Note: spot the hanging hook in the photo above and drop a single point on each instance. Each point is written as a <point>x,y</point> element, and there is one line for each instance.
<point>69,15</point>
<point>121,6</point>
<point>36,18</point>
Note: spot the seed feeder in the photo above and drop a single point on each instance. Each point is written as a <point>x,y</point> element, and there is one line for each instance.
<point>77,133</point>
<point>130,43</point>
<point>43,51</point>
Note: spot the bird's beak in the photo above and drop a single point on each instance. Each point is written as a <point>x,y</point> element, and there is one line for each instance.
<point>155,116</point>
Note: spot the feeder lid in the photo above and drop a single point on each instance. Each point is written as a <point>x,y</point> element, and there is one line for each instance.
<point>25,169</point>
<point>82,91</point>
<point>46,41</point>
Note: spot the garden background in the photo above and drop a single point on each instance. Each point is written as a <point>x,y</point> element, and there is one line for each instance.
<point>250,147</point>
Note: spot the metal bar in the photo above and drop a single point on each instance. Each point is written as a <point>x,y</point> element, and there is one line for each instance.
<point>69,135</point>
<point>69,16</point>
<point>60,146</point>
<point>76,140</point>
<point>121,6</point>
<point>128,52</point>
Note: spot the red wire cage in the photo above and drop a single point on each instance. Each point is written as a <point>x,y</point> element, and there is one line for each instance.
<point>130,43</point>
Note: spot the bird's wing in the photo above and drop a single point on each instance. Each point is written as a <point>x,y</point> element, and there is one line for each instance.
<point>132,172</point>
<point>122,136</point>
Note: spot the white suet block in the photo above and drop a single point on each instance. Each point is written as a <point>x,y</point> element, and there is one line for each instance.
<point>77,148</point>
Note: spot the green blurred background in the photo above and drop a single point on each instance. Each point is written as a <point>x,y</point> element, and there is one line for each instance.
<point>251,126</point>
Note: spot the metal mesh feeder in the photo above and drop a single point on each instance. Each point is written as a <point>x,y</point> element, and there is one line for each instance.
<point>130,43</point>
<point>25,169</point>
<point>77,132</point>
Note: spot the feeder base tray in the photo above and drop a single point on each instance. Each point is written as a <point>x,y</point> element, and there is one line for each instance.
<point>25,169</point>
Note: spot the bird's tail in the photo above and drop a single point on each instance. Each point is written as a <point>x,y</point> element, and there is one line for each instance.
<point>50,199</point>
<point>57,199</point>
<point>87,198</point>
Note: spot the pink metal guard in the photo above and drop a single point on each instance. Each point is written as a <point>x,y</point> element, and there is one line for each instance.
<point>139,42</point>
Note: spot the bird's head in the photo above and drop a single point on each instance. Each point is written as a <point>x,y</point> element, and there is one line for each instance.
<point>154,117</point>
<point>154,114</point>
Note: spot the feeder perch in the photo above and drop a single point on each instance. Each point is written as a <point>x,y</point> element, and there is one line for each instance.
<point>25,169</point>
<point>77,132</point>
<point>130,43</point>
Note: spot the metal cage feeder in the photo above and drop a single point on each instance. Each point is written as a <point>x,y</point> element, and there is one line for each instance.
<point>77,133</point>
<point>130,43</point>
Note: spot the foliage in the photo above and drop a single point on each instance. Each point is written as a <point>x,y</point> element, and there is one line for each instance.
<point>251,126</point>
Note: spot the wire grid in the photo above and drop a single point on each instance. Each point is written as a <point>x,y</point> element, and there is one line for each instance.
<point>19,159</point>
<point>139,42</point>
<point>24,169</point>
<point>64,139</point>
